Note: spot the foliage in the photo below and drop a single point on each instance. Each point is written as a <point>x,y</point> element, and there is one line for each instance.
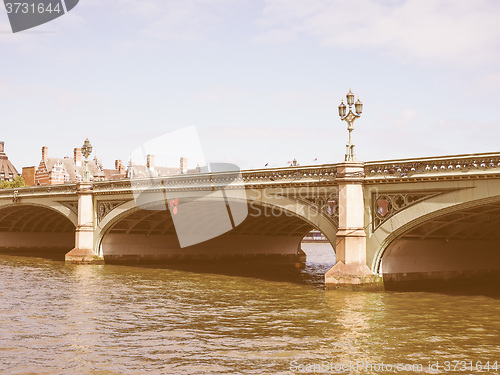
<point>15,183</point>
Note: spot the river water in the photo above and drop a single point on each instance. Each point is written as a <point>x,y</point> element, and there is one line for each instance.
<point>66,319</point>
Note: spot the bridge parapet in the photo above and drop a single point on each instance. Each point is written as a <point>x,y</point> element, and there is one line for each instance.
<point>400,170</point>
<point>461,166</point>
<point>39,191</point>
<point>291,175</point>
<point>250,179</point>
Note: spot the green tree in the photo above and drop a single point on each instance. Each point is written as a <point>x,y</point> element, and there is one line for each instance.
<point>15,183</point>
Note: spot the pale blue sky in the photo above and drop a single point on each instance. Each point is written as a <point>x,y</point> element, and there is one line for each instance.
<point>261,80</point>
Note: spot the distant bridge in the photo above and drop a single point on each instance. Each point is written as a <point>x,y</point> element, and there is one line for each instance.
<point>414,219</point>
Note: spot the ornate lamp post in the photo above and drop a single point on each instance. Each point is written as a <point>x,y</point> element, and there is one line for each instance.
<point>86,151</point>
<point>350,118</point>
<point>83,252</point>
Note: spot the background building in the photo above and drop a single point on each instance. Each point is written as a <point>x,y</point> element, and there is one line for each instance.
<point>7,171</point>
<point>53,170</point>
<point>152,170</point>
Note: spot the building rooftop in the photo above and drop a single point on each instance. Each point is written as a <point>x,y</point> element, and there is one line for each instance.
<point>7,170</point>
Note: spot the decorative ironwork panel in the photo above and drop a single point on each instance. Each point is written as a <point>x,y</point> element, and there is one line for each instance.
<point>104,207</point>
<point>328,205</point>
<point>384,206</point>
<point>73,206</point>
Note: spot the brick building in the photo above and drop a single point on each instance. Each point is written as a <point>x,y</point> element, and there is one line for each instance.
<point>53,170</point>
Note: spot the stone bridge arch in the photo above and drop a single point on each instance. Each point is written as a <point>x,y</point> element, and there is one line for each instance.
<point>436,237</point>
<point>293,215</point>
<point>34,226</point>
<point>66,209</point>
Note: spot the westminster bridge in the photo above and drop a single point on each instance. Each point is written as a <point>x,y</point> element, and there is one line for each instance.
<point>435,218</point>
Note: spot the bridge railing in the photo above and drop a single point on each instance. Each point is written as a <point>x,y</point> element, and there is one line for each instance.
<point>487,163</point>
<point>33,191</point>
<point>249,178</point>
<point>246,178</point>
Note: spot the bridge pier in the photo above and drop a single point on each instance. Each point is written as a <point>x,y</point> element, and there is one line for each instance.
<point>351,268</point>
<point>83,252</point>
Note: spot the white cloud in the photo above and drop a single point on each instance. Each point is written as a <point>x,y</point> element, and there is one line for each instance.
<point>255,145</point>
<point>59,97</point>
<point>168,20</point>
<point>275,36</point>
<point>180,21</point>
<point>302,98</point>
<point>220,95</point>
<point>399,119</point>
<point>171,20</point>
<point>454,32</point>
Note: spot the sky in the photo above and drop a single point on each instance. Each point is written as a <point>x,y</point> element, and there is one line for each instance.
<point>260,80</point>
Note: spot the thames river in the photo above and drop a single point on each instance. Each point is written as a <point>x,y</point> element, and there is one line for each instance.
<point>103,320</point>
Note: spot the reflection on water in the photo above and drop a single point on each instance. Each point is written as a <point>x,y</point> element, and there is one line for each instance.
<point>65,319</point>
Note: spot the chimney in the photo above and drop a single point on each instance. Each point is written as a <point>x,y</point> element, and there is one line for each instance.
<point>150,163</point>
<point>119,166</point>
<point>183,165</point>
<point>77,156</point>
<point>45,152</point>
<point>29,175</point>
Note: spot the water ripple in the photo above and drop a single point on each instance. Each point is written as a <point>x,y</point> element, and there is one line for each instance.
<point>106,320</point>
